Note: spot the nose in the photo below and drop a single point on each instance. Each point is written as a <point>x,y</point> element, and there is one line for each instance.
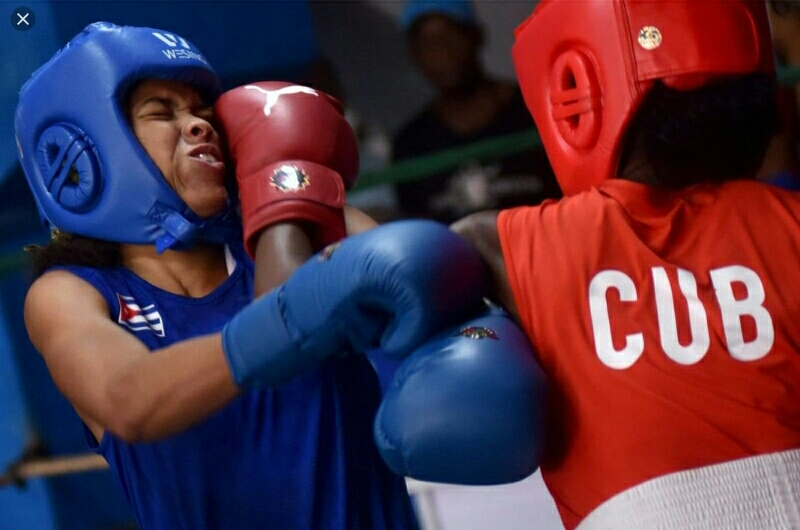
<point>197,128</point>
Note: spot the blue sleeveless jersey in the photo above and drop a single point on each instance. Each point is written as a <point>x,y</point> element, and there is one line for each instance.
<point>300,457</point>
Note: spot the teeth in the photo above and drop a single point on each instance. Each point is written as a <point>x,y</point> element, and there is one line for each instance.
<point>207,157</point>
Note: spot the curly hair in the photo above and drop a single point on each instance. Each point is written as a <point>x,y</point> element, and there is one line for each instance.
<point>715,133</point>
<point>71,249</point>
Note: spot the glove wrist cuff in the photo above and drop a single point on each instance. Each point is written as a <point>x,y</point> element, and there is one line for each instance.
<point>293,190</point>
<point>259,347</point>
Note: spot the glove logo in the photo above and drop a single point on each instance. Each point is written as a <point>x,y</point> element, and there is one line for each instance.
<point>477,332</point>
<point>171,40</point>
<point>328,251</point>
<point>289,178</point>
<point>271,96</point>
<point>179,48</point>
<point>649,37</point>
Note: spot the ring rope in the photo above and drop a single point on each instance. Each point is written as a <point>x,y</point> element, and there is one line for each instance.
<point>19,472</point>
<point>23,470</point>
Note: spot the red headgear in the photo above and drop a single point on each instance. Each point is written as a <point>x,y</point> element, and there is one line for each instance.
<point>585,66</point>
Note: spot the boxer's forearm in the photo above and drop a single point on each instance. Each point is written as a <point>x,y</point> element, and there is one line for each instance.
<point>169,390</point>
<point>480,229</point>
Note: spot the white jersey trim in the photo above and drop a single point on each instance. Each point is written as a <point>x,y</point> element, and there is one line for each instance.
<point>755,493</point>
<point>230,261</point>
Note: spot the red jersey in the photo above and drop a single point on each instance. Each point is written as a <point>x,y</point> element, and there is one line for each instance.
<point>668,325</point>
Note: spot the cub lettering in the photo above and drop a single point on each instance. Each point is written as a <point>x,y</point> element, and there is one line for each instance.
<point>731,310</point>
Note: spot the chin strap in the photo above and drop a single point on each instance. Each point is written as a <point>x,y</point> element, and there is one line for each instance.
<point>180,232</point>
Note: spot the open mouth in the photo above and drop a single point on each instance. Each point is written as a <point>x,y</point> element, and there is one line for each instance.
<point>207,157</point>
<point>208,154</point>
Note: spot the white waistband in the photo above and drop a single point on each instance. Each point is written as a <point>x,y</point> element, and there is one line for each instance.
<point>755,493</point>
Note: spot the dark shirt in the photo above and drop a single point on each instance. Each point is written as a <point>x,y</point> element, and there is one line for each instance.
<point>491,182</point>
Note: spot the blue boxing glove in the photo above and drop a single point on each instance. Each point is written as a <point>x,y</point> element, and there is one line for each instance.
<point>468,407</point>
<point>391,287</point>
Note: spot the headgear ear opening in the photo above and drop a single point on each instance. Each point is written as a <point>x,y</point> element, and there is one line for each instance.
<point>575,99</point>
<point>70,167</point>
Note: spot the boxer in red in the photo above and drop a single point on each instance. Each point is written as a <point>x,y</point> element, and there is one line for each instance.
<point>658,293</point>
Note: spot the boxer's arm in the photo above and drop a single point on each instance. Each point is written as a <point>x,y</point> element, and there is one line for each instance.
<point>283,247</point>
<point>384,287</point>
<point>480,229</point>
<point>112,380</point>
<point>357,221</point>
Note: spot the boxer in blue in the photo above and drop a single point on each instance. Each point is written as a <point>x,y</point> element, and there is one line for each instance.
<point>119,144</point>
<point>214,411</point>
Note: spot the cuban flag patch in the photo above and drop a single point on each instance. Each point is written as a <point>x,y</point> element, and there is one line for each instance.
<point>137,318</point>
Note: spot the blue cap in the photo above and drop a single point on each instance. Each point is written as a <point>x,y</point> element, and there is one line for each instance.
<point>459,10</point>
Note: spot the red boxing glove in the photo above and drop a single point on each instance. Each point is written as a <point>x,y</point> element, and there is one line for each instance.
<point>295,156</point>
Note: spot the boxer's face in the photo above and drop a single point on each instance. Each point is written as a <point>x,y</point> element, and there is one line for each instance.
<point>174,125</point>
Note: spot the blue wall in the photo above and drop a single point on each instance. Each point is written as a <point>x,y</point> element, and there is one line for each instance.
<point>27,507</point>
<point>31,408</point>
<point>20,54</point>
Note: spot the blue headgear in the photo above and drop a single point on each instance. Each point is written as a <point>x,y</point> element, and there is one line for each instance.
<point>88,172</point>
<point>460,10</point>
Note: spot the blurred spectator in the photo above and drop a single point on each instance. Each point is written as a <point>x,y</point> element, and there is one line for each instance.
<point>784,17</point>
<point>782,161</point>
<point>445,40</point>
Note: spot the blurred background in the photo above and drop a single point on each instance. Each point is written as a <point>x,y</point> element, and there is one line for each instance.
<point>354,49</point>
